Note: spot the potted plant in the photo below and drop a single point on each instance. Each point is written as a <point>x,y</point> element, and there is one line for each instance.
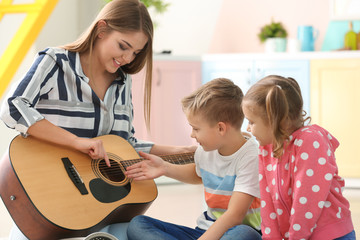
<point>274,36</point>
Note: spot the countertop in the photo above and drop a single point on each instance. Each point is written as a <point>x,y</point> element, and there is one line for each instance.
<point>261,56</point>
<point>284,55</point>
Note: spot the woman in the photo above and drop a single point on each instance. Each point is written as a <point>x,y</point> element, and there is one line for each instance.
<point>74,93</point>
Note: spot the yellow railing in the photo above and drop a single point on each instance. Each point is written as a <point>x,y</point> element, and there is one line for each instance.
<point>37,14</point>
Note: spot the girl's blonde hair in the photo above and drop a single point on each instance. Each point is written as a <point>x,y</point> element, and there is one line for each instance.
<point>217,101</point>
<point>279,102</point>
<point>123,16</point>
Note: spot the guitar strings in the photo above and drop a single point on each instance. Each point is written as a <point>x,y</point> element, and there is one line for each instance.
<point>181,158</point>
<point>119,165</point>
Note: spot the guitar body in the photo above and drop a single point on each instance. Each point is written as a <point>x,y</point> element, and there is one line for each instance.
<point>52,192</point>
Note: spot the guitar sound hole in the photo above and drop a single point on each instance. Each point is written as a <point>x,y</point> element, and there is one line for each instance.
<point>113,173</point>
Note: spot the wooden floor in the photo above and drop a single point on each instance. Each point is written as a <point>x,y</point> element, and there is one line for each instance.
<point>181,204</point>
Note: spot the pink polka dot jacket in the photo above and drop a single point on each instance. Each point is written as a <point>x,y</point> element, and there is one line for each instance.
<point>301,194</point>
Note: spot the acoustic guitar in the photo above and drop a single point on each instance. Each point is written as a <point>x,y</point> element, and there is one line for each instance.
<point>53,192</point>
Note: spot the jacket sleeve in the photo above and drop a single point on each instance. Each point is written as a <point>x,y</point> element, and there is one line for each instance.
<point>313,173</point>
<point>269,224</point>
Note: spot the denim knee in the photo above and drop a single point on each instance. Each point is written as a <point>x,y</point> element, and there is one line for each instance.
<point>135,227</point>
<point>242,232</point>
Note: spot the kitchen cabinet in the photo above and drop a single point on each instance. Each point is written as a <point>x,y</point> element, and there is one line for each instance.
<point>239,71</point>
<point>246,70</point>
<point>172,80</point>
<point>335,105</point>
<point>297,69</point>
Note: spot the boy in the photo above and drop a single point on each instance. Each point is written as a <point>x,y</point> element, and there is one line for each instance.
<point>226,163</point>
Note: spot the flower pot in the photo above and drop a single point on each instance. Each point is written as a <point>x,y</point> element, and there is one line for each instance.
<point>275,45</point>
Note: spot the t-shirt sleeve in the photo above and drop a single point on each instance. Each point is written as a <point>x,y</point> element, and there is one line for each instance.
<point>247,172</point>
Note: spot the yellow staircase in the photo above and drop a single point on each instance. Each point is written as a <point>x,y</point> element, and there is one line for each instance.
<point>37,14</point>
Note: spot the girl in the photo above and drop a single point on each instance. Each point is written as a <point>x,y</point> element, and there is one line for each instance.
<point>300,189</point>
<point>74,93</point>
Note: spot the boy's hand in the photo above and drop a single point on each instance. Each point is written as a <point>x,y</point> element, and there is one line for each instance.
<point>151,167</point>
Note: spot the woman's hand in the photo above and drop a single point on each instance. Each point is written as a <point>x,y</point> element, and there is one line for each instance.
<point>151,167</point>
<point>47,131</point>
<point>92,147</point>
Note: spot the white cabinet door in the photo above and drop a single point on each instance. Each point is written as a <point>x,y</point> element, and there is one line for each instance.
<point>240,72</point>
<point>297,69</point>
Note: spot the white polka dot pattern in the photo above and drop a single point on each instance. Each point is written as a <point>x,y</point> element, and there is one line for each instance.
<point>304,156</point>
<point>303,200</point>
<point>295,190</point>
<point>309,215</point>
<point>315,188</point>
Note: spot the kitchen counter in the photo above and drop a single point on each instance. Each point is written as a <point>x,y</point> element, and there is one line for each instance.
<point>170,57</point>
<point>260,56</point>
<point>284,55</point>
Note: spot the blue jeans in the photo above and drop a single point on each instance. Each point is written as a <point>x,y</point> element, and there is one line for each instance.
<point>349,236</point>
<point>143,227</point>
<point>117,229</point>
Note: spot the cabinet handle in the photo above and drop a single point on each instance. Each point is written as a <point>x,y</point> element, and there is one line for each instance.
<point>259,73</point>
<point>248,78</point>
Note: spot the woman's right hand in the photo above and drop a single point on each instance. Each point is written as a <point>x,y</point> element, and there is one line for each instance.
<point>92,147</point>
<point>47,131</point>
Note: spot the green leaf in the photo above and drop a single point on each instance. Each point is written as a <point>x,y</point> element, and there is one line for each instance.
<point>272,30</point>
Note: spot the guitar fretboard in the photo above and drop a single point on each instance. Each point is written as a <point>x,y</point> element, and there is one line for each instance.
<point>180,159</point>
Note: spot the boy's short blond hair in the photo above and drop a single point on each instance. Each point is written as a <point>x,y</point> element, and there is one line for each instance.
<point>217,101</point>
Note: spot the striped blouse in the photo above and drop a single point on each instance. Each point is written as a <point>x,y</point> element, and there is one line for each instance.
<point>55,88</point>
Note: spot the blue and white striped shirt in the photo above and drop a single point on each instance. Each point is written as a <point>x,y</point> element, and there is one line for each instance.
<point>55,88</point>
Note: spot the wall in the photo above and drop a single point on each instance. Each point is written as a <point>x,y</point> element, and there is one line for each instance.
<point>240,21</point>
<point>188,26</point>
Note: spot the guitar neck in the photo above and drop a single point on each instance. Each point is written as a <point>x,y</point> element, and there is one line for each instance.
<point>181,158</point>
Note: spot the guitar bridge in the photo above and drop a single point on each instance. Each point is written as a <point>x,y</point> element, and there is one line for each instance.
<point>74,176</point>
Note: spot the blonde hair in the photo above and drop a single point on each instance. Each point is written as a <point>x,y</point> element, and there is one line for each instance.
<point>279,102</point>
<point>123,16</point>
<point>217,101</point>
